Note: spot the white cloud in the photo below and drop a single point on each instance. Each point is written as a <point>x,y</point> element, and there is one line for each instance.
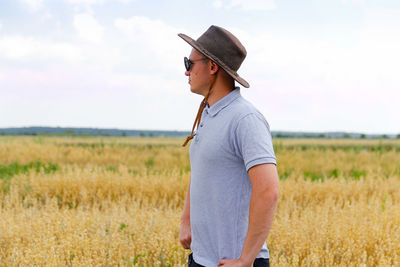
<point>1,26</point>
<point>70,92</point>
<point>360,2</point>
<point>33,5</point>
<point>22,48</point>
<point>247,5</point>
<point>363,56</point>
<point>139,26</point>
<point>88,28</point>
<point>313,76</point>
<point>153,42</point>
<point>126,1</point>
<point>96,2</point>
<point>85,2</point>
<point>38,6</point>
<point>217,3</point>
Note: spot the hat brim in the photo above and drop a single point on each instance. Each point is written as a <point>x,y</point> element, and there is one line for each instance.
<point>209,55</point>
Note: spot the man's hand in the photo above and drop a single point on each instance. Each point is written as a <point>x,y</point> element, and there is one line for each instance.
<point>185,234</point>
<point>233,263</point>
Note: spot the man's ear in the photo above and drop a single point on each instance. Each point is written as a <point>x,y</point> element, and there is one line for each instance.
<point>214,67</point>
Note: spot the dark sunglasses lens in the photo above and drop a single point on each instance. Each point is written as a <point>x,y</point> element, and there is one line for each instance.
<point>187,63</point>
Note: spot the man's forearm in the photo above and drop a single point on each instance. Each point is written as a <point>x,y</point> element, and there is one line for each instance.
<point>261,213</point>
<point>185,234</point>
<point>186,207</point>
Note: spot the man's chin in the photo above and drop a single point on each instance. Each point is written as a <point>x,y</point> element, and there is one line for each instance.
<point>193,90</point>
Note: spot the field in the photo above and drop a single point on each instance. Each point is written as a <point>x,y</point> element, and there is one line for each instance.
<point>117,202</point>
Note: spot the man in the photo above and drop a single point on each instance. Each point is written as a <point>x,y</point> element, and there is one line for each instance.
<point>233,192</point>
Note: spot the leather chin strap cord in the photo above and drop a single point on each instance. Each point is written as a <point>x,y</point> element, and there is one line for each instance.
<point>198,117</point>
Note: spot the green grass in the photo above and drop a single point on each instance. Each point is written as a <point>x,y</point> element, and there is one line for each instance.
<point>8,171</point>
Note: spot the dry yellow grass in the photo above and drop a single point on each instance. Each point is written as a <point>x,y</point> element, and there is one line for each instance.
<point>117,201</point>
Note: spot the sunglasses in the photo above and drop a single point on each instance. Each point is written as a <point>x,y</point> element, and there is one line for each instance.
<point>189,63</point>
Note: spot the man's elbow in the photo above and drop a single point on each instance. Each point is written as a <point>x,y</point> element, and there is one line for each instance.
<point>268,195</point>
<point>271,195</point>
<point>271,190</point>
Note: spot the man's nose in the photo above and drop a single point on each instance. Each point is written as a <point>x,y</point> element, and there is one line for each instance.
<point>187,73</point>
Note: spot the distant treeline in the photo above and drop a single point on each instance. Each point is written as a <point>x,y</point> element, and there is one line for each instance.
<point>59,131</point>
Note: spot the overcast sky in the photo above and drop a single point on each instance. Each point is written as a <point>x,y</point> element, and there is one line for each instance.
<point>329,65</point>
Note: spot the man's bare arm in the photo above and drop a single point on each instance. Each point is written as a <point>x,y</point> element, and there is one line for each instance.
<point>185,233</point>
<point>264,198</point>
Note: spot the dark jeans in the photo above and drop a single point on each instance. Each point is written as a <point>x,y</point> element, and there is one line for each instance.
<point>259,262</point>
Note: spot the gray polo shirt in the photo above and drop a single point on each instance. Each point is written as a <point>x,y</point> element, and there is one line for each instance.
<point>233,137</point>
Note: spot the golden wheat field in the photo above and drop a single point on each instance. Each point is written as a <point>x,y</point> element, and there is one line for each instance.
<point>91,201</point>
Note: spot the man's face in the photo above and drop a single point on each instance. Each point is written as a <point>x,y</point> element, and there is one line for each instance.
<point>199,74</point>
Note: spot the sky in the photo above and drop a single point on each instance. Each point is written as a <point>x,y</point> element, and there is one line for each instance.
<point>313,66</point>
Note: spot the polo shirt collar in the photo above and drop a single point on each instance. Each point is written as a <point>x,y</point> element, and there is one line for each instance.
<point>223,102</point>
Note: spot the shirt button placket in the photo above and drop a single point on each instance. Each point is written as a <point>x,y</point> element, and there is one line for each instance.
<point>201,126</point>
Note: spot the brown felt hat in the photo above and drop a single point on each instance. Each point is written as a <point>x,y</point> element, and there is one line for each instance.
<point>223,48</point>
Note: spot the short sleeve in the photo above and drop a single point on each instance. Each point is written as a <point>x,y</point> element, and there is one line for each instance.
<point>253,141</point>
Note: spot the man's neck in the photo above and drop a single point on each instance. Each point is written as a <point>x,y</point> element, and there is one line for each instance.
<point>217,93</point>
